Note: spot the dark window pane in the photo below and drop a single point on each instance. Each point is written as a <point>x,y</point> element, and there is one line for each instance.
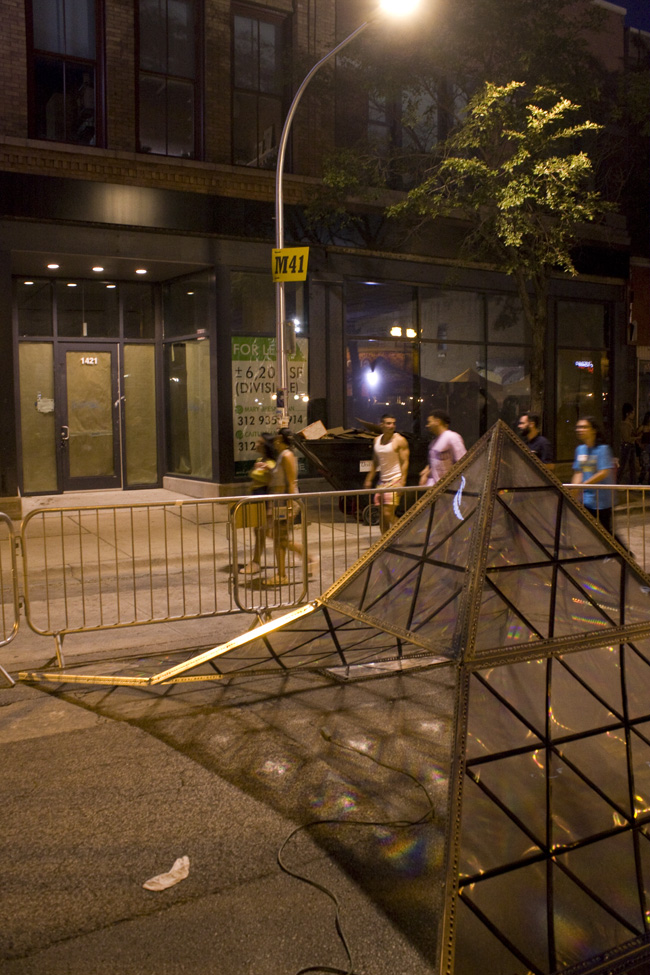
<point>34,303</point>
<point>181,33</point>
<point>186,305</point>
<point>80,28</point>
<point>580,324</point>
<point>153,35</point>
<point>270,74</point>
<point>86,309</point>
<point>138,311</point>
<point>80,104</point>
<point>180,118</point>
<point>245,54</point>
<point>49,99</point>
<point>451,315</point>
<point>505,320</point>
<point>65,26</point>
<point>380,310</point>
<point>48,25</point>
<point>244,129</point>
<point>153,115</point>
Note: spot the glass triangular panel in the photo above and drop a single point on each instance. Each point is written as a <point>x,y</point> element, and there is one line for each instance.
<point>537,510</point>
<point>510,544</point>
<point>643,647</point>
<point>478,950</point>
<point>519,783</point>
<point>515,903</point>
<point>608,868</point>
<point>574,613</point>
<point>516,469</point>
<point>577,811</point>
<point>489,838</point>
<point>637,683</point>
<point>352,593</point>
<point>437,588</point>
<point>438,631</point>
<point>601,581</point>
<point>524,686</point>
<point>603,759</point>
<point>641,771</point>
<point>451,531</point>
<point>600,669</point>
<point>578,537</point>
<point>573,709</point>
<point>387,570</point>
<point>498,625</point>
<point>492,727</point>
<point>530,591</point>
<point>583,929</point>
<point>637,598</point>
<point>414,536</point>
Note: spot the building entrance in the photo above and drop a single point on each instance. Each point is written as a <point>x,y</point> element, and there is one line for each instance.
<point>88,406</point>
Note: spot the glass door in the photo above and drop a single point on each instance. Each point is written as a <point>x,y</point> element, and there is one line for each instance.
<point>89,416</point>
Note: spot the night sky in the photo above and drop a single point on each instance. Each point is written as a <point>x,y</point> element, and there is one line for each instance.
<point>638,13</point>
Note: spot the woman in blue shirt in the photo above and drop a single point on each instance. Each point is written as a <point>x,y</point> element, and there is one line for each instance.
<point>593,463</point>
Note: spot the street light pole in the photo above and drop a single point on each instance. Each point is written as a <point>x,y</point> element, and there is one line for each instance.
<point>282,411</point>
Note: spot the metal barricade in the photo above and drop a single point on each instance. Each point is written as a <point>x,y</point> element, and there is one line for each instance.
<point>630,505</point>
<point>9,596</point>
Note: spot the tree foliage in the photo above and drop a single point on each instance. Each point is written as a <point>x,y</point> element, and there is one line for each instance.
<point>513,173</point>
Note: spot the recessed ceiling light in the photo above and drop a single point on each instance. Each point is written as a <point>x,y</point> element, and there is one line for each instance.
<point>98,269</point>
<point>111,285</point>
<point>140,270</point>
<point>28,282</point>
<point>53,267</point>
<point>71,284</point>
<point>190,292</point>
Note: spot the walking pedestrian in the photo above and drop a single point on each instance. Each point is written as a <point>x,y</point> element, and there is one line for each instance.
<point>644,443</point>
<point>257,516</point>
<point>594,464</point>
<point>445,448</point>
<point>284,480</point>
<point>529,428</point>
<point>390,456</point>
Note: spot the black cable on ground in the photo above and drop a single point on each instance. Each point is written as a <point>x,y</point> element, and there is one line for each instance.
<point>428,817</point>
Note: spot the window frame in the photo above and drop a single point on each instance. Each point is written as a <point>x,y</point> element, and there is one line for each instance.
<point>283,22</point>
<point>197,83</point>
<point>98,64</point>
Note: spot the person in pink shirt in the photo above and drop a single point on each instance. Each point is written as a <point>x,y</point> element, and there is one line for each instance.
<point>444,450</point>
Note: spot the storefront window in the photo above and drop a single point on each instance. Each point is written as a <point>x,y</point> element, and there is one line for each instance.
<point>189,408</point>
<point>447,316</point>
<point>380,310</point>
<point>186,305</point>
<point>86,309</point>
<point>34,303</point>
<point>453,379</point>
<point>138,311</point>
<point>253,304</point>
<point>381,379</point>
<point>140,414</point>
<point>36,362</point>
<point>582,371</point>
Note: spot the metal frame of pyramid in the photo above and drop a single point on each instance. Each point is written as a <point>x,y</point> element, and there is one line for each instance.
<point>500,575</point>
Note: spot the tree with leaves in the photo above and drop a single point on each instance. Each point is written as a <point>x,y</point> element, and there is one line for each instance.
<point>513,174</point>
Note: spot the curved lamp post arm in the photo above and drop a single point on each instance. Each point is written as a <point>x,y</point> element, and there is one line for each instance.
<point>281,368</point>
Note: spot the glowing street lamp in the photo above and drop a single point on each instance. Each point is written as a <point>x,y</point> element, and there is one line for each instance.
<point>394,8</point>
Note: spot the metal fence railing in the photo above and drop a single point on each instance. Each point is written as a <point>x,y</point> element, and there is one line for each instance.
<point>104,567</point>
<point>9,597</point>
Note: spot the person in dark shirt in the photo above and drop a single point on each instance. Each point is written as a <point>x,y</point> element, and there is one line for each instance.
<point>529,429</point>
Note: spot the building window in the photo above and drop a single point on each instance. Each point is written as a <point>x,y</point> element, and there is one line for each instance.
<point>63,72</point>
<point>169,58</point>
<point>258,86</point>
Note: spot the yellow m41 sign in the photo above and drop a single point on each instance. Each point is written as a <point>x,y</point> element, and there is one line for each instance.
<point>289,263</point>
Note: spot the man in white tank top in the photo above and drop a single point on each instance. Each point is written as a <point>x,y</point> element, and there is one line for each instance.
<point>391,458</point>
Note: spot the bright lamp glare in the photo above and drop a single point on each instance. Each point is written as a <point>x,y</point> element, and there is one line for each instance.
<point>399,8</point>
<point>372,379</point>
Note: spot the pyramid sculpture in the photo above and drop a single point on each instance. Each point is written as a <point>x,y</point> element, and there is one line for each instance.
<point>498,576</point>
